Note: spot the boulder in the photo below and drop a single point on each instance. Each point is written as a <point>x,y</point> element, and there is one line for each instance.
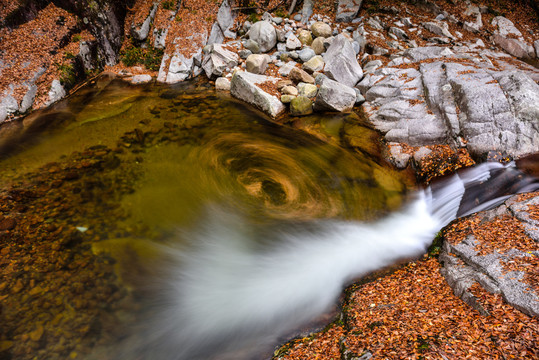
<point>222,84</point>
<point>264,34</point>
<point>225,19</point>
<point>300,106</point>
<point>439,28</point>
<point>306,54</point>
<point>218,60</point>
<point>244,86</point>
<point>307,90</point>
<point>293,43</point>
<point>298,75</point>
<point>321,29</point>
<point>141,79</point>
<point>305,37</point>
<point>56,92</point>
<point>341,63</point>
<point>286,99</point>
<point>399,33</point>
<point>290,90</point>
<point>252,46</point>
<point>316,63</point>
<point>347,10</point>
<point>334,96</point>
<point>318,46</point>
<point>257,63</point>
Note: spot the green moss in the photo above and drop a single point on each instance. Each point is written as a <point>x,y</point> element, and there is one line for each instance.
<point>68,76</point>
<point>168,5</point>
<point>254,17</point>
<point>149,57</point>
<point>76,38</point>
<point>436,246</point>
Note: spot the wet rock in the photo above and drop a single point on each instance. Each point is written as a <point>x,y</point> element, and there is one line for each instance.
<point>298,75</point>
<point>244,86</point>
<point>293,43</point>
<point>341,63</point>
<point>7,224</point>
<point>334,96</point>
<point>316,63</point>
<point>141,79</point>
<point>398,157</point>
<point>321,29</point>
<point>300,106</point>
<point>222,84</point>
<point>347,10</point>
<point>218,60</point>
<point>264,34</point>
<point>257,63</point>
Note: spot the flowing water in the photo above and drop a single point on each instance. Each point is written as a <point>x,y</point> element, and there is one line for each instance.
<point>176,223</point>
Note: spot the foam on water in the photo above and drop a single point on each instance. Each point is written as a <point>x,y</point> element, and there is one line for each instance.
<point>229,298</point>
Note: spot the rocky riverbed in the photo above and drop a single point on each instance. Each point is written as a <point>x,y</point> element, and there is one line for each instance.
<point>447,83</point>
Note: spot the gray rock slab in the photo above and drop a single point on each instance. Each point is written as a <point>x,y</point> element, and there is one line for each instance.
<point>335,96</point>
<point>341,63</point>
<point>463,266</point>
<point>141,32</point>
<point>28,99</point>
<point>244,86</point>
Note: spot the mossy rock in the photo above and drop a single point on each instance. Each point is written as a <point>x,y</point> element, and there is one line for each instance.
<point>301,106</point>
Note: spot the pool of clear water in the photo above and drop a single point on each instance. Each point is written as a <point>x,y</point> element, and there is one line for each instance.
<point>99,190</point>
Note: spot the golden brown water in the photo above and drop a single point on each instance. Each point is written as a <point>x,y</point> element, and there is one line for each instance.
<point>93,186</point>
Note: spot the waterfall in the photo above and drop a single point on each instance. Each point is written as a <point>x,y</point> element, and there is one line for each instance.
<point>229,298</point>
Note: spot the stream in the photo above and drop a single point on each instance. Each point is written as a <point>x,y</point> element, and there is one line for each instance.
<point>154,222</point>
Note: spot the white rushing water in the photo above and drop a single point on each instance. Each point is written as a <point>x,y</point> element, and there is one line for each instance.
<point>230,298</point>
